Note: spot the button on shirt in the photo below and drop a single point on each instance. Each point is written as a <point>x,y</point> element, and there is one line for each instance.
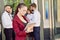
<point>7,20</point>
<point>36,18</point>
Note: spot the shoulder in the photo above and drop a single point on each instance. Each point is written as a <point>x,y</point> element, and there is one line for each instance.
<point>4,14</point>
<point>36,12</point>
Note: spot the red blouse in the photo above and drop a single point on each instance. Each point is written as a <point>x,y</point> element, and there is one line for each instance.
<point>18,27</point>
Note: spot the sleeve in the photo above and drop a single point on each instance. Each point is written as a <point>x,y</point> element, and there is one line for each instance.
<point>6,21</point>
<point>36,17</point>
<point>16,29</point>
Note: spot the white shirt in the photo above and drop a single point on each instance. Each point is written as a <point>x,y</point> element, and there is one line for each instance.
<point>7,20</point>
<point>36,18</point>
<point>30,16</point>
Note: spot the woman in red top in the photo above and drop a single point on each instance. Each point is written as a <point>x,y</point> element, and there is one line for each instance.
<point>19,22</point>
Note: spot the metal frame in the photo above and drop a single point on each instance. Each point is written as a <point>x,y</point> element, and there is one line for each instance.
<point>51,19</point>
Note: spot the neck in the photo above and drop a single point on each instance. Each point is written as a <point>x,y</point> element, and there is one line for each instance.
<point>19,14</point>
<point>21,18</point>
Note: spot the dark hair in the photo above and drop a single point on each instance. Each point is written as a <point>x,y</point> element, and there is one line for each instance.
<point>20,5</point>
<point>29,10</point>
<point>7,5</point>
<point>33,5</point>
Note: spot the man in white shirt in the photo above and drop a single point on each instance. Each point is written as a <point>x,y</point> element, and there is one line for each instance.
<point>7,22</point>
<point>36,19</point>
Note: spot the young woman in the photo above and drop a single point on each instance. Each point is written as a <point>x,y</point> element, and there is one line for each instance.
<point>20,21</point>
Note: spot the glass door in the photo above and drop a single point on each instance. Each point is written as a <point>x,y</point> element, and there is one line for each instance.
<point>47,19</point>
<point>45,10</point>
<point>57,19</point>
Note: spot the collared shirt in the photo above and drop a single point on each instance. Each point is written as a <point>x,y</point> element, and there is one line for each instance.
<point>30,16</point>
<point>7,20</point>
<point>36,18</point>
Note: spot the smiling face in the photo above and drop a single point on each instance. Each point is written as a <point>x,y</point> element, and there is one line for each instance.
<point>22,10</point>
<point>8,9</point>
<point>33,6</point>
<point>28,12</point>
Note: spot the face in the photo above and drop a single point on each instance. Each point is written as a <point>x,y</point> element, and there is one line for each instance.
<point>31,8</point>
<point>28,11</point>
<point>8,9</point>
<point>22,10</point>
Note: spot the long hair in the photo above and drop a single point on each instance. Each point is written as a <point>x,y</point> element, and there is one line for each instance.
<point>20,5</point>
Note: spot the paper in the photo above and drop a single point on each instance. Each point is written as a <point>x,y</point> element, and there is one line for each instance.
<point>29,27</point>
